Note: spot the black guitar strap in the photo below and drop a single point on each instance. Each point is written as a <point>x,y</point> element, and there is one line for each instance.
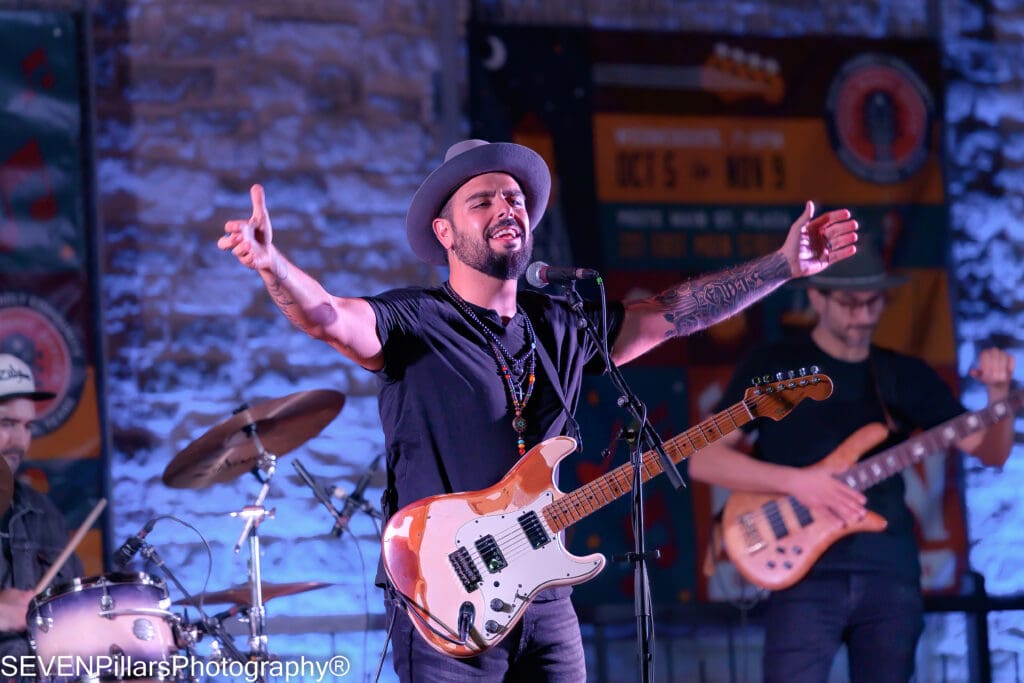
<point>556,383</point>
<point>885,386</point>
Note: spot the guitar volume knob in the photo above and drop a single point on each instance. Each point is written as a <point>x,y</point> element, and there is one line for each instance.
<point>499,605</point>
<point>491,626</point>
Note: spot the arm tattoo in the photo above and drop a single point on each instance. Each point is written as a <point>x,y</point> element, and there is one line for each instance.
<point>700,303</point>
<point>282,297</point>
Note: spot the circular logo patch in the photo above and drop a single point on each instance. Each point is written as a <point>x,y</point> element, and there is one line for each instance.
<point>880,116</point>
<point>33,330</point>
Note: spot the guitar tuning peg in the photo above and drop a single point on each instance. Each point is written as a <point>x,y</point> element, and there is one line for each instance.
<point>755,380</point>
<point>767,379</point>
<point>815,369</point>
<point>778,376</point>
<point>803,371</point>
<point>791,374</point>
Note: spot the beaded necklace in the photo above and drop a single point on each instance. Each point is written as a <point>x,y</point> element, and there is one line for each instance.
<point>523,365</point>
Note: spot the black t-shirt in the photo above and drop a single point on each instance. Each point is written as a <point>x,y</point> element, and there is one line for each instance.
<point>916,398</point>
<point>444,407</point>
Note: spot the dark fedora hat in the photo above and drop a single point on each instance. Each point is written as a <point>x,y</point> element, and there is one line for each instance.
<point>865,270</point>
<point>463,161</point>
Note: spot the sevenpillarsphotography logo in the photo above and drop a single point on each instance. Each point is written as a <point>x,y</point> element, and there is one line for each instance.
<point>32,329</point>
<point>880,116</point>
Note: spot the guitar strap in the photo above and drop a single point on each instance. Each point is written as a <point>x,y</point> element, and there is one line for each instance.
<point>876,357</point>
<point>556,383</point>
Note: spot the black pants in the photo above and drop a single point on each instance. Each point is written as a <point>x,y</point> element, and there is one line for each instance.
<point>880,618</point>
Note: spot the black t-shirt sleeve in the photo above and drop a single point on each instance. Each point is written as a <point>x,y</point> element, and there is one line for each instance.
<point>398,313</point>
<point>916,390</point>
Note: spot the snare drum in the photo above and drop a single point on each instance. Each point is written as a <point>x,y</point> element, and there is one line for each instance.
<point>119,622</point>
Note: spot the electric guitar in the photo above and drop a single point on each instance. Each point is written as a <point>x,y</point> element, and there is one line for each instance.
<point>469,564</point>
<point>775,540</point>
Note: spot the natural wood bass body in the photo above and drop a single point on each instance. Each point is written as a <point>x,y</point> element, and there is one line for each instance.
<point>774,540</point>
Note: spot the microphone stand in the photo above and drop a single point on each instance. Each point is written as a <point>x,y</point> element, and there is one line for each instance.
<point>645,435</point>
<point>212,626</point>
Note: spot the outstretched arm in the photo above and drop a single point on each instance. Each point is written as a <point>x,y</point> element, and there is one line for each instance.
<point>347,324</point>
<point>811,245</point>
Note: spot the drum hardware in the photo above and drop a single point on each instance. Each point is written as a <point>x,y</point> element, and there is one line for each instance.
<point>69,620</point>
<point>251,440</point>
<point>150,553</point>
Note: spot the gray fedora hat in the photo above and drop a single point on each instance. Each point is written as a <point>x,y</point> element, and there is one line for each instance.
<point>16,380</point>
<point>463,161</point>
<point>865,270</point>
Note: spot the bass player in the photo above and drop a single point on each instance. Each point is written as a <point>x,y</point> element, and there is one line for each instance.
<point>864,590</point>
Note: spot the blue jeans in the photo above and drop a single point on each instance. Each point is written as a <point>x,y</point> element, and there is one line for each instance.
<point>879,617</point>
<point>544,646</point>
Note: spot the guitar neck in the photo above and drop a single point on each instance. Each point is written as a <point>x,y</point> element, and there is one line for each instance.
<point>940,439</point>
<point>593,496</point>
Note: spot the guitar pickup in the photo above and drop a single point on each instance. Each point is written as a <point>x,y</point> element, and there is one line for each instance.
<point>534,530</point>
<point>490,553</point>
<point>465,569</point>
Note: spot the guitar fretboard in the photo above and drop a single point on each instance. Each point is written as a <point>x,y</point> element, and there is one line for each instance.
<point>880,466</point>
<point>593,496</point>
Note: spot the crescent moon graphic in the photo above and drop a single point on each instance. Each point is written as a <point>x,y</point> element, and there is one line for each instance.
<point>499,55</point>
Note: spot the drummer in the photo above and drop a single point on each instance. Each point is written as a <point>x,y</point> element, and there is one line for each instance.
<point>32,531</point>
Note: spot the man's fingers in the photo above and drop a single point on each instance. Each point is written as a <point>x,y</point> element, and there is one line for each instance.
<point>259,203</point>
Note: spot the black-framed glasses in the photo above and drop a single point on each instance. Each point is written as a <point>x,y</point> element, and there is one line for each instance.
<point>852,303</point>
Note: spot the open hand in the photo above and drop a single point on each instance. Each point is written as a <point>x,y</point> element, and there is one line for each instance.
<point>815,243</point>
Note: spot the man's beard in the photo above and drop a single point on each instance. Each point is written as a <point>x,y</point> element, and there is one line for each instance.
<point>478,255</point>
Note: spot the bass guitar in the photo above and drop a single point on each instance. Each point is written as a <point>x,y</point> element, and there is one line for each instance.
<point>775,540</point>
<point>468,564</point>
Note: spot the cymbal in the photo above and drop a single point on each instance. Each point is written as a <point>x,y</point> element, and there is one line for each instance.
<point>226,451</point>
<point>241,595</point>
<point>6,486</point>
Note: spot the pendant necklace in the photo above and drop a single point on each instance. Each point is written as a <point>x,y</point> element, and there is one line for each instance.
<point>509,364</point>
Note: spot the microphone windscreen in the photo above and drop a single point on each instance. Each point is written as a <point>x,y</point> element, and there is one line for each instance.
<point>535,274</point>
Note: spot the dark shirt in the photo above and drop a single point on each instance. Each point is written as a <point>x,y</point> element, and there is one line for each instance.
<point>33,535</point>
<point>916,398</point>
<point>445,410</point>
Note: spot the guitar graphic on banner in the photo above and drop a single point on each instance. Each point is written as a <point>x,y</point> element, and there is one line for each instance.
<point>775,540</point>
<point>469,564</point>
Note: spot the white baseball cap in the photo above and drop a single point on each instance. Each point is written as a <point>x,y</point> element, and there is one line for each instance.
<point>16,380</point>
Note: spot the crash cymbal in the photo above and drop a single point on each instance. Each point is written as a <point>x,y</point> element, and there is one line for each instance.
<point>227,451</point>
<point>6,487</point>
<point>240,595</point>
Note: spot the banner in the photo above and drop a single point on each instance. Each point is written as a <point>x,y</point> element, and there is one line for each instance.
<point>676,154</point>
<point>46,284</point>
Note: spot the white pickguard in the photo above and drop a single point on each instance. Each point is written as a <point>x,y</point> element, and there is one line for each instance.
<point>529,569</point>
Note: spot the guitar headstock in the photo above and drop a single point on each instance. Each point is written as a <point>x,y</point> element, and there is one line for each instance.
<point>774,397</point>
<point>733,73</point>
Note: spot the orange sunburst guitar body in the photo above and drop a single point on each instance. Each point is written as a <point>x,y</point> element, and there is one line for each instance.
<point>774,540</point>
<point>468,564</point>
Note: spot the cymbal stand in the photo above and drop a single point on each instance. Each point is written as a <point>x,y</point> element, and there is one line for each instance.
<point>254,516</point>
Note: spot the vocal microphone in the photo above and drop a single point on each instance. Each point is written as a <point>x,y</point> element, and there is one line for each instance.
<point>127,551</point>
<point>320,495</point>
<point>540,274</point>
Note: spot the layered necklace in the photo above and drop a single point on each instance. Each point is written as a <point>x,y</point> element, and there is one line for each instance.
<point>515,369</point>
